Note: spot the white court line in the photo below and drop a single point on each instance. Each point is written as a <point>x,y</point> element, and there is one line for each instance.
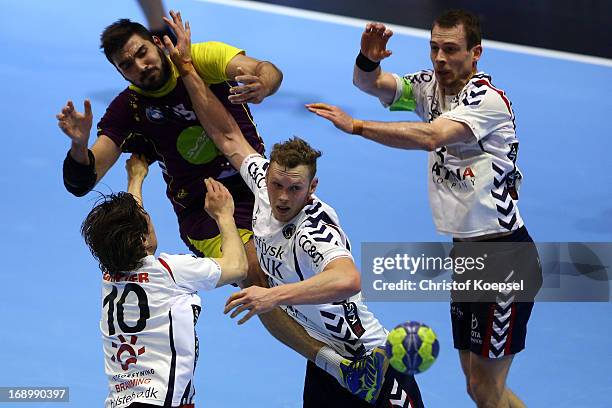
<point>413,32</point>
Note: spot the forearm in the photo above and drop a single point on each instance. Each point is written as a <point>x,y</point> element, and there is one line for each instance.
<point>404,135</point>
<point>366,81</point>
<point>270,76</point>
<point>325,287</point>
<point>232,245</point>
<point>79,153</point>
<point>135,188</point>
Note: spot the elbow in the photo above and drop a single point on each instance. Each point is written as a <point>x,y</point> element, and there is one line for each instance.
<point>352,284</point>
<point>434,140</point>
<point>430,145</point>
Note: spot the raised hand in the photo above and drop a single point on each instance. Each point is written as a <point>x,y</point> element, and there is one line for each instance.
<point>252,89</point>
<point>335,115</point>
<point>218,202</point>
<point>181,53</point>
<point>74,124</point>
<point>374,42</point>
<point>137,167</point>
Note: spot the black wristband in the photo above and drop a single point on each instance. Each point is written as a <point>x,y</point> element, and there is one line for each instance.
<point>366,64</point>
<point>79,178</point>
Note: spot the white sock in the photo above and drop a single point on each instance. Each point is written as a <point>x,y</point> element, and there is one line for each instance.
<point>327,359</point>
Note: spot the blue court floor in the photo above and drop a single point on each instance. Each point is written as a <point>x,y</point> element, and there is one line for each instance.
<point>50,304</point>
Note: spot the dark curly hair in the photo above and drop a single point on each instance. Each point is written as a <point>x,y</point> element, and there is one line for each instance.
<point>115,36</point>
<point>115,230</point>
<point>294,152</point>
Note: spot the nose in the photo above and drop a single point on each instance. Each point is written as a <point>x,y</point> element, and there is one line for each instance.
<point>142,65</point>
<point>439,57</point>
<point>283,196</point>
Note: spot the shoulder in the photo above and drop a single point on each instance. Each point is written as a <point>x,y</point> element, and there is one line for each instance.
<point>480,91</point>
<point>210,50</point>
<point>122,100</point>
<point>321,223</point>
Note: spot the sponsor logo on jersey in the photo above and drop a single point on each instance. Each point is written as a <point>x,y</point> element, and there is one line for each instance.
<point>351,314</point>
<point>195,146</point>
<point>126,385</point>
<point>458,179</point>
<point>269,250</point>
<point>289,230</point>
<point>310,248</point>
<point>150,394</point>
<point>154,114</point>
<point>256,174</point>
<point>270,257</point>
<point>143,373</point>
<point>476,338</point>
<point>126,350</point>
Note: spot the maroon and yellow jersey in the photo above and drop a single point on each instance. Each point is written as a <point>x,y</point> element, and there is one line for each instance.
<point>163,126</point>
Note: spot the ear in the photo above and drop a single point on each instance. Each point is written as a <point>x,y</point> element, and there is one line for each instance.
<point>313,186</point>
<point>157,41</point>
<point>476,53</point>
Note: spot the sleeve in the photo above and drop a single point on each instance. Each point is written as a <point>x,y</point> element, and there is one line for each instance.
<point>119,125</point>
<point>210,60</point>
<point>116,121</point>
<point>192,273</point>
<point>482,108</point>
<point>409,95</point>
<point>253,171</point>
<point>317,247</point>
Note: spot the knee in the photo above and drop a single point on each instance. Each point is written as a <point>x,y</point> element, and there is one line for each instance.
<point>484,392</point>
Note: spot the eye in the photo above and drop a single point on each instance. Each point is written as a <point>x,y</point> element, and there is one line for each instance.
<point>295,188</point>
<point>434,48</point>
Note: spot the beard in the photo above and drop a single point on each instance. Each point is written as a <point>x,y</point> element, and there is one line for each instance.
<point>155,78</point>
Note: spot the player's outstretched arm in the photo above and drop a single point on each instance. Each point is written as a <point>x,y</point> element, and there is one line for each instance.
<point>214,118</point>
<point>338,281</point>
<point>220,206</point>
<point>403,135</point>
<point>83,168</point>
<point>137,169</point>
<point>367,74</point>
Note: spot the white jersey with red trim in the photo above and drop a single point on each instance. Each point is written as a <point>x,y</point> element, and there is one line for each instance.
<point>473,186</point>
<point>294,251</point>
<point>149,340</point>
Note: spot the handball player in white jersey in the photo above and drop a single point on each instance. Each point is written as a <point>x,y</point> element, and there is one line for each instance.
<point>469,131</point>
<point>306,257</point>
<point>150,303</point>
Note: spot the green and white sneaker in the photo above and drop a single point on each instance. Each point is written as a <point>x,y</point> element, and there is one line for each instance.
<point>364,377</point>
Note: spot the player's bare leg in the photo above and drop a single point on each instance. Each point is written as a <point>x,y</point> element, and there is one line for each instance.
<point>464,358</point>
<point>487,381</point>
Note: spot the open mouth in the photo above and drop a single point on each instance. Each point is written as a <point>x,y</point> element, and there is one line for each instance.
<point>282,209</point>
